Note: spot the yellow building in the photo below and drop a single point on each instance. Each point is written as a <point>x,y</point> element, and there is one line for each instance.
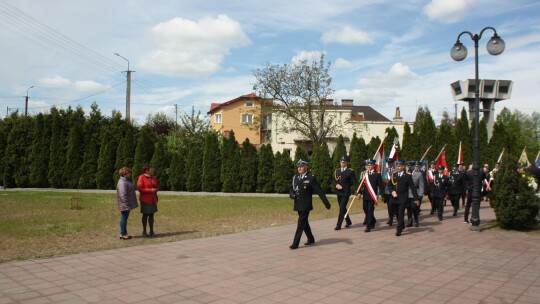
<point>246,115</point>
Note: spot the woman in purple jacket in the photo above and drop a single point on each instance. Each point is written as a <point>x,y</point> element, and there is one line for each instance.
<point>125,193</point>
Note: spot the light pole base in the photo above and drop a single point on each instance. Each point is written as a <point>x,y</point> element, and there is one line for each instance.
<point>475,228</point>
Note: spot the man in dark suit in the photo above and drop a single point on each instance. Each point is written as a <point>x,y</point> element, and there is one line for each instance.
<point>400,184</point>
<point>431,172</point>
<point>438,191</point>
<point>344,179</point>
<point>419,182</point>
<point>469,178</point>
<point>304,184</point>
<point>371,187</point>
<point>386,194</point>
<point>456,183</point>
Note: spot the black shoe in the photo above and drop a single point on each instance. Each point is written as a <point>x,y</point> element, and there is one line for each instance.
<point>364,222</point>
<point>309,242</point>
<point>455,213</point>
<point>440,218</point>
<point>367,229</point>
<point>293,247</point>
<point>144,234</point>
<point>416,224</point>
<point>409,224</point>
<point>390,224</point>
<point>398,233</point>
<point>152,234</point>
<point>348,225</point>
<point>337,228</point>
<point>432,212</point>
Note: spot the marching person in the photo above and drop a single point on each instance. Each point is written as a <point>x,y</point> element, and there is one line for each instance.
<point>148,189</point>
<point>486,183</point>
<point>344,179</point>
<point>456,184</point>
<point>438,191</point>
<point>304,184</point>
<point>430,174</point>
<point>371,186</point>
<point>400,184</point>
<point>386,194</point>
<point>414,209</point>
<point>464,193</point>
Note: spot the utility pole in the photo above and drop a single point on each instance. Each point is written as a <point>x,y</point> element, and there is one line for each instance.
<point>455,113</point>
<point>26,103</point>
<point>128,88</point>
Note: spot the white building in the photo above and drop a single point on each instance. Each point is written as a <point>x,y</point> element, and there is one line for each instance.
<point>364,120</point>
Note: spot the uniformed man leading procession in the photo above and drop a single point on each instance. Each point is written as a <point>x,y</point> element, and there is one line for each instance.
<point>438,191</point>
<point>304,184</point>
<point>344,179</point>
<point>456,183</point>
<point>400,184</point>
<point>372,185</point>
<point>419,184</point>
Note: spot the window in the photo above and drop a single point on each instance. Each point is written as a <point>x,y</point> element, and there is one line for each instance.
<point>247,118</point>
<point>249,104</point>
<point>266,122</point>
<point>217,118</point>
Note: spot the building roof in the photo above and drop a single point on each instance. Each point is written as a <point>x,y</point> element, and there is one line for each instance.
<point>216,106</point>
<point>369,114</point>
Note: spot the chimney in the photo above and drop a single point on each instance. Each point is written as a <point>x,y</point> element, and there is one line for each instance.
<point>347,102</point>
<point>328,102</point>
<point>398,117</point>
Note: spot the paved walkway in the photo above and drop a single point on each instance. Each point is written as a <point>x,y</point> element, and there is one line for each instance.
<point>438,262</point>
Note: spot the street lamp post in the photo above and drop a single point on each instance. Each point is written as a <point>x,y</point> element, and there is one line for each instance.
<point>128,87</point>
<point>495,46</point>
<point>26,103</point>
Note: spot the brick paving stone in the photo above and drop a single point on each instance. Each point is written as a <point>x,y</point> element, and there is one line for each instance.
<point>437,262</point>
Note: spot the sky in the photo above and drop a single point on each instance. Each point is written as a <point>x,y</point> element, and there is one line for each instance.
<point>382,53</point>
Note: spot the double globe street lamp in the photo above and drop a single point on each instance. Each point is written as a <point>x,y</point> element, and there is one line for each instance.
<point>495,46</point>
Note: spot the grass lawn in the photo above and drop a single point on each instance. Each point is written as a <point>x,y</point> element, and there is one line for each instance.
<point>42,224</point>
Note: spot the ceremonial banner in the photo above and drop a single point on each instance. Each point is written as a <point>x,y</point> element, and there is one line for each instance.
<point>460,159</point>
<point>441,161</point>
<point>380,162</point>
<point>393,152</point>
<point>523,159</point>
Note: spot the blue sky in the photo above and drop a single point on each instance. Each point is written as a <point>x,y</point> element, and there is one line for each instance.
<point>383,53</point>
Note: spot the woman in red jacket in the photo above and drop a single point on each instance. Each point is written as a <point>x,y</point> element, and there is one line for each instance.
<point>148,188</point>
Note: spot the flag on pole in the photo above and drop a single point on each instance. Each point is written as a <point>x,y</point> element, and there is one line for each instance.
<point>523,159</point>
<point>393,152</point>
<point>441,161</point>
<point>460,159</point>
<point>499,160</point>
<point>380,162</point>
<point>537,160</point>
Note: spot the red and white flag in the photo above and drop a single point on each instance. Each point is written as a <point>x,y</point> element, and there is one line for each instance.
<point>460,159</point>
<point>379,159</point>
<point>441,161</point>
<point>393,152</point>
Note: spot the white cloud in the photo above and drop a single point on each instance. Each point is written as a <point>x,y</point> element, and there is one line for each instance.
<point>64,83</point>
<point>398,75</point>
<point>448,11</point>
<point>343,64</point>
<point>309,56</point>
<point>348,35</point>
<point>188,48</point>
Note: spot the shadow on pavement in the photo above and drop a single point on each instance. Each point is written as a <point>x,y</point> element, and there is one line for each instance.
<point>331,241</point>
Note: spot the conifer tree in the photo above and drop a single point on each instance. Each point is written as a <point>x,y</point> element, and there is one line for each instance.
<point>338,152</point>
<point>211,163</point>
<point>177,171</point>
<point>373,146</point>
<point>120,160</point>
<point>321,166</point>
<point>17,152</point>
<point>143,151</point>
<point>40,151</point>
<point>407,142</point>
<point>248,167</point>
<point>391,134</point>
<point>75,150</point>
<point>424,130</point>
<point>446,136</point>
<point>92,140</point>
<point>283,168</point>
<point>160,161</point>
<point>514,200</point>
<point>57,156</point>
<point>299,154</point>
<point>358,151</point>
<point>265,169</point>
<point>462,133</point>
<point>230,171</point>
<point>193,168</point>
<point>498,142</point>
<point>105,164</point>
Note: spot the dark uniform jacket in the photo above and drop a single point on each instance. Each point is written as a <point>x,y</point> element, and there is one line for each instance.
<point>469,178</point>
<point>402,185</point>
<point>440,186</point>
<point>302,190</point>
<point>376,182</point>
<point>346,179</point>
<point>456,182</point>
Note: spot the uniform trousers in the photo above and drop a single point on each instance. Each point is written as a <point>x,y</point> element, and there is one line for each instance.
<point>454,198</point>
<point>391,214</point>
<point>413,210</point>
<point>468,207</point>
<point>369,211</point>
<point>433,207</point>
<point>439,205</point>
<point>303,226</point>
<point>399,209</point>
<point>343,200</point>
